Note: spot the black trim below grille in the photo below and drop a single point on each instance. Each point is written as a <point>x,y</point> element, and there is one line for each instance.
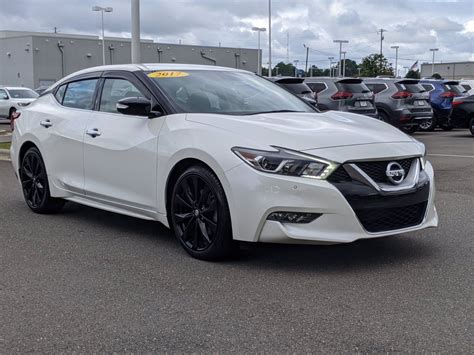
<point>376,170</point>
<point>385,219</point>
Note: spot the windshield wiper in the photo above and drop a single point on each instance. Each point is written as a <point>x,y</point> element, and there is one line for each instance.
<point>273,111</point>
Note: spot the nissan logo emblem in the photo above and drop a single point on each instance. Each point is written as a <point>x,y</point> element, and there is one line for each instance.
<point>395,173</point>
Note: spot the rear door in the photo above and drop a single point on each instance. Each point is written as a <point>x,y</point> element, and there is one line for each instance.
<point>120,151</point>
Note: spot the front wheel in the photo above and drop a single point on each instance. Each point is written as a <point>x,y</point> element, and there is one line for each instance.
<point>200,215</point>
<point>34,182</point>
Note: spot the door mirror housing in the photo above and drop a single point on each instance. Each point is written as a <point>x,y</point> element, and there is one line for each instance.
<point>135,106</point>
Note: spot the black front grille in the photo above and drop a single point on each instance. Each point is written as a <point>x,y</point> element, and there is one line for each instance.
<point>339,175</point>
<point>385,219</point>
<point>376,170</point>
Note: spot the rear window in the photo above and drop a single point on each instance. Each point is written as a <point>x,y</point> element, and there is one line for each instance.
<point>298,89</point>
<point>23,94</point>
<point>376,88</point>
<point>428,87</point>
<point>317,87</point>
<point>466,86</point>
<point>457,89</point>
<point>414,88</point>
<point>354,87</point>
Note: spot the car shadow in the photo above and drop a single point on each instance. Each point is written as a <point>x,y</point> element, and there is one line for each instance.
<point>363,254</point>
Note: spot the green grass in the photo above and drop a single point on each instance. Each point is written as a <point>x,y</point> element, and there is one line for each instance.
<point>4,145</point>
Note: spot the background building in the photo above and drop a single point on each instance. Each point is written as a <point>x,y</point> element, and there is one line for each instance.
<point>34,59</point>
<point>452,70</point>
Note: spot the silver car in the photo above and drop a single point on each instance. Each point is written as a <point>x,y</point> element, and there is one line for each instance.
<point>13,98</point>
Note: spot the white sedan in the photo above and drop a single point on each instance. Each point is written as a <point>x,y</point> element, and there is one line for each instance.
<point>13,98</point>
<point>219,155</point>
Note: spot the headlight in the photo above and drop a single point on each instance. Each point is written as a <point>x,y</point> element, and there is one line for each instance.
<point>423,158</point>
<point>286,162</point>
<point>23,104</point>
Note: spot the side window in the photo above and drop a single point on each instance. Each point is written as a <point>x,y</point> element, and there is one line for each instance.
<point>428,87</point>
<point>3,95</point>
<point>115,90</point>
<point>376,88</point>
<point>59,95</point>
<point>80,94</point>
<point>317,87</point>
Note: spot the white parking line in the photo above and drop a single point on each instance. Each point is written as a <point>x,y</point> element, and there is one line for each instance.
<point>451,155</point>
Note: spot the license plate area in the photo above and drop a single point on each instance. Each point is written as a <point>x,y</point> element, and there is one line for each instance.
<point>420,103</point>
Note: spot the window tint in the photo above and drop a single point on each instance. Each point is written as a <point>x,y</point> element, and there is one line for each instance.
<point>355,88</point>
<point>317,87</point>
<point>59,95</point>
<point>23,94</point>
<point>428,87</point>
<point>298,89</point>
<point>376,88</point>
<point>414,88</point>
<point>115,90</point>
<point>3,95</point>
<point>80,94</point>
<point>467,87</point>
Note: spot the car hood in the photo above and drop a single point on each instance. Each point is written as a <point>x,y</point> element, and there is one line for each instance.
<point>26,101</point>
<point>306,131</point>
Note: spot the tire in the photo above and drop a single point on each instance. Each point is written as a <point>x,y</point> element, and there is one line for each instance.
<point>383,117</point>
<point>34,183</point>
<point>410,129</point>
<point>11,112</point>
<point>471,125</point>
<point>428,125</point>
<point>446,127</point>
<point>200,215</point>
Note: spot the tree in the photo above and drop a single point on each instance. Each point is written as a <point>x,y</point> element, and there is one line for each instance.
<point>413,74</point>
<point>436,76</point>
<point>352,69</point>
<point>375,64</point>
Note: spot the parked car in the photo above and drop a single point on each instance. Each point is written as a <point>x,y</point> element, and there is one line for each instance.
<point>343,94</point>
<point>296,86</point>
<point>442,93</point>
<point>401,102</point>
<point>468,85</point>
<point>13,98</point>
<point>219,155</point>
<point>463,112</point>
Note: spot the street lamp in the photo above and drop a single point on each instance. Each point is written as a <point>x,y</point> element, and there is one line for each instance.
<point>270,38</point>
<point>259,59</point>
<point>340,41</point>
<point>330,66</point>
<point>396,59</point>
<point>344,64</point>
<point>102,10</point>
<point>432,63</point>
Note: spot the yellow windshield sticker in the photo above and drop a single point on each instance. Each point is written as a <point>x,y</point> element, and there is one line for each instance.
<point>168,74</point>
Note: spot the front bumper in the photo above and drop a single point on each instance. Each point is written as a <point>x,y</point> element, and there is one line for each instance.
<point>255,195</point>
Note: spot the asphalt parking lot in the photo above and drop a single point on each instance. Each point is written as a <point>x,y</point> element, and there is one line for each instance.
<point>87,280</point>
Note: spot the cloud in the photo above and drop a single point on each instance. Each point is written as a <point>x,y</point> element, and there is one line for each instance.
<point>415,26</point>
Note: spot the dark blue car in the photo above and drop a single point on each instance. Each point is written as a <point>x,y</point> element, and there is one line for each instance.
<point>442,93</point>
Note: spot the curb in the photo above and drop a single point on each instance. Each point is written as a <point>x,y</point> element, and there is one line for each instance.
<point>5,155</point>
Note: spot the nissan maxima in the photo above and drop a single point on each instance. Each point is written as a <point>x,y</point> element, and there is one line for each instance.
<point>218,155</point>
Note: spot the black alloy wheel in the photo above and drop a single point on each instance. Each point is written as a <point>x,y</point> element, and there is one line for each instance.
<point>200,216</point>
<point>34,182</point>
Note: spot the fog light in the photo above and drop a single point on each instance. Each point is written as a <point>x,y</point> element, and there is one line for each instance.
<point>293,217</point>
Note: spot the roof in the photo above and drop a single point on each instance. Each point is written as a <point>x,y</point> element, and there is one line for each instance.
<point>15,88</point>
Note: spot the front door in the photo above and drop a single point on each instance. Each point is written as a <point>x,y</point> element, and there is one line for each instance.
<point>120,151</point>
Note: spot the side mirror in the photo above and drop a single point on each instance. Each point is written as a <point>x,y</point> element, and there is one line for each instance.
<point>136,106</point>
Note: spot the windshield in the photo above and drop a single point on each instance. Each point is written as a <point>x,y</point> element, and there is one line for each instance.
<point>23,94</point>
<point>225,92</point>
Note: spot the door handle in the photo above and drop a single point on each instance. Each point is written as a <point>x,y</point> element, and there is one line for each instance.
<point>46,123</point>
<point>93,132</point>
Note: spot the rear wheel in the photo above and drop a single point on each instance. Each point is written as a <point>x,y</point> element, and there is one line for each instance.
<point>471,125</point>
<point>200,215</point>
<point>428,125</point>
<point>383,117</point>
<point>410,129</point>
<point>34,182</point>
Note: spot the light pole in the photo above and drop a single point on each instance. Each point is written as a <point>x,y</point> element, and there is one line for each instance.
<point>396,59</point>
<point>296,67</point>
<point>306,66</point>
<point>344,64</point>
<point>330,66</point>
<point>340,41</point>
<point>259,59</point>
<point>270,38</point>
<point>102,10</point>
<point>432,63</point>
<point>135,12</point>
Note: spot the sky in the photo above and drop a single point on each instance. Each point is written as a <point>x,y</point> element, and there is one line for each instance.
<point>413,25</point>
